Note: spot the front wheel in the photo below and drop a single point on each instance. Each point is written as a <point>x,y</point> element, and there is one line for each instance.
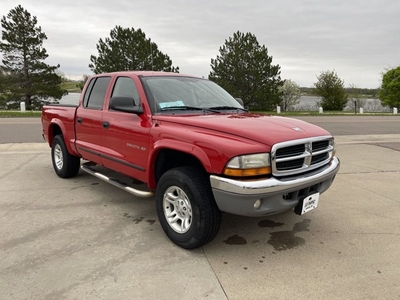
<point>186,207</point>
<point>65,165</point>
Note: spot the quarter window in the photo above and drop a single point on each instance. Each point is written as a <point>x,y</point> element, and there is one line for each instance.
<point>87,92</point>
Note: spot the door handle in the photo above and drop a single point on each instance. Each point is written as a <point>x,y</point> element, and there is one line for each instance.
<point>79,120</point>
<point>105,124</point>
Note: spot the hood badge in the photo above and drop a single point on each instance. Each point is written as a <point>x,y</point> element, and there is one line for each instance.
<point>298,129</point>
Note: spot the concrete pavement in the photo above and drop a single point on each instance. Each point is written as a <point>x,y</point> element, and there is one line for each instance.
<point>84,239</point>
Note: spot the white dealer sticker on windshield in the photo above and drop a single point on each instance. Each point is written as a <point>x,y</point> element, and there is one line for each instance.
<point>171,104</point>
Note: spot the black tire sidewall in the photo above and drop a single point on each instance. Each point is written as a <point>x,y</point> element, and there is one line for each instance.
<point>58,140</point>
<point>71,163</point>
<point>177,177</point>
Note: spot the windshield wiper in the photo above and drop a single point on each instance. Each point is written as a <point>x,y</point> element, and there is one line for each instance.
<point>183,107</point>
<point>228,108</point>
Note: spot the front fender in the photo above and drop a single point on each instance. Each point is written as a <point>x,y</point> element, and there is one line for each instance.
<point>188,148</point>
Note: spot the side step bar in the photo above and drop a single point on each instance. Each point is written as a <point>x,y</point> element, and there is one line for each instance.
<point>87,167</point>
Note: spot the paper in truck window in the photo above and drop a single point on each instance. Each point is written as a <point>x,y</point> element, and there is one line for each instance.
<point>171,104</point>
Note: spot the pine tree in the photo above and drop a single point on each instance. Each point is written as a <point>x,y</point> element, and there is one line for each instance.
<point>245,70</point>
<point>28,78</point>
<point>3,102</point>
<point>129,49</point>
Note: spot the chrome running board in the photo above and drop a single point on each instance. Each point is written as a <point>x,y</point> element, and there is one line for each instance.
<point>88,168</point>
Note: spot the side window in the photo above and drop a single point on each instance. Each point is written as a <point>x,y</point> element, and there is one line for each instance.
<point>96,97</point>
<point>125,87</point>
<point>88,91</point>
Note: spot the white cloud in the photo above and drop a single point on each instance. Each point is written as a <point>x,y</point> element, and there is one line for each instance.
<point>357,39</point>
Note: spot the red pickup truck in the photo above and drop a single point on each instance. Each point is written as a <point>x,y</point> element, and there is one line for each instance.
<point>194,146</point>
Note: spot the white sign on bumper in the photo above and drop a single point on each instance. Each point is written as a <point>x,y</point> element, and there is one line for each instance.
<point>308,203</point>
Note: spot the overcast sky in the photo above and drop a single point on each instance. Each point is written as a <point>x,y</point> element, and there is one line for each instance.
<point>358,39</point>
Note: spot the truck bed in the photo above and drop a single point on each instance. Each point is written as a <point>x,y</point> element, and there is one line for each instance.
<point>63,116</point>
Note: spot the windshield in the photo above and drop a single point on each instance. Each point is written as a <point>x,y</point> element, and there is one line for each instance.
<point>175,93</point>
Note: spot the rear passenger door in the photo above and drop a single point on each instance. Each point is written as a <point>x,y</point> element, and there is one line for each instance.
<point>88,120</point>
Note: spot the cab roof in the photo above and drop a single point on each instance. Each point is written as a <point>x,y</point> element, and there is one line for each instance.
<point>143,74</point>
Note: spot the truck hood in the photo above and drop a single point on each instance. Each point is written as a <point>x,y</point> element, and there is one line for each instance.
<point>258,127</point>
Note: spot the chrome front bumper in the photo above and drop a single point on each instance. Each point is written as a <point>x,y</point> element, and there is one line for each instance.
<point>276,195</point>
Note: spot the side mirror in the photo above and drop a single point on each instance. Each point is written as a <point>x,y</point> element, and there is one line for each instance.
<point>240,101</point>
<point>125,104</point>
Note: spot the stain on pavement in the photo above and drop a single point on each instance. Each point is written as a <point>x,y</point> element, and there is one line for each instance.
<point>284,240</point>
<point>269,223</point>
<point>235,240</point>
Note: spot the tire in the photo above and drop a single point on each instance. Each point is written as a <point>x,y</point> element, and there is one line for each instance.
<point>186,207</point>
<point>65,165</point>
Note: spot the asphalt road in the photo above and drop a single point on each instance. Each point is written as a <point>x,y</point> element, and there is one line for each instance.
<point>20,130</point>
<point>29,130</point>
<point>356,125</point>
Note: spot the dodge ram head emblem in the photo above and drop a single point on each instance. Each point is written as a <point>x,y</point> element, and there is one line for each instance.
<point>297,129</point>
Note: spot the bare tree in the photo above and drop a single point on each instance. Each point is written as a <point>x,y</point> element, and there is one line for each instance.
<point>355,97</point>
<point>290,94</point>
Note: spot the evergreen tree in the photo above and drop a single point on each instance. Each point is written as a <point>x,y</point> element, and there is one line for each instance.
<point>28,78</point>
<point>389,93</point>
<point>3,102</point>
<point>129,49</point>
<point>331,90</point>
<point>245,70</point>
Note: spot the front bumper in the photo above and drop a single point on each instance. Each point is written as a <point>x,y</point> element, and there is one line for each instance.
<point>276,195</point>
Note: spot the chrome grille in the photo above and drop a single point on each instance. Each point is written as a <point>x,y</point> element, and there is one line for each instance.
<point>298,156</point>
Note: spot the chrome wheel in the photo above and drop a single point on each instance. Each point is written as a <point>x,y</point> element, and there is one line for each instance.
<point>58,157</point>
<point>177,209</point>
<point>65,165</point>
<point>186,207</point>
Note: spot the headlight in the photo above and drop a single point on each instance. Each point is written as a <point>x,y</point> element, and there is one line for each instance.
<point>248,165</point>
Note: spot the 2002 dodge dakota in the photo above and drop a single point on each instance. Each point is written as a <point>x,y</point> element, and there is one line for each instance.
<point>194,146</point>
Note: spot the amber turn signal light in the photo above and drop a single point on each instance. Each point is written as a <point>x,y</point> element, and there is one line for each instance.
<point>247,172</point>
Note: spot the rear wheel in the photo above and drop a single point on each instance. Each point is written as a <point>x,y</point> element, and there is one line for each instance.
<point>65,165</point>
<point>186,207</point>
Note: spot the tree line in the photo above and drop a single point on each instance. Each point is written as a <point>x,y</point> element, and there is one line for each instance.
<point>364,92</point>
<point>243,67</point>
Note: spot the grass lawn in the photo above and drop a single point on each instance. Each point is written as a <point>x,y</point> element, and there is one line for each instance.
<point>70,86</point>
<point>18,114</point>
